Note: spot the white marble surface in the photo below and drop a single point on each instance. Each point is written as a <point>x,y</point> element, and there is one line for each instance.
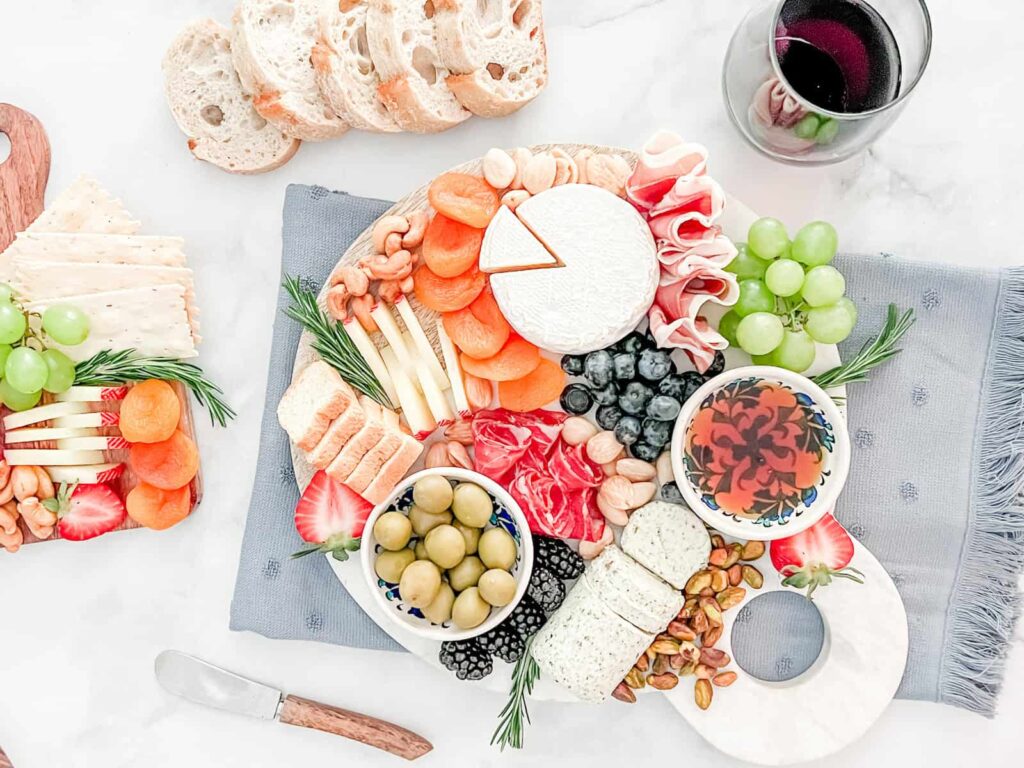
<point>81,623</point>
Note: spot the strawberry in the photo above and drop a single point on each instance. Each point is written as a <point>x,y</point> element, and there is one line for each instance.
<point>813,558</point>
<point>86,511</point>
<point>331,517</point>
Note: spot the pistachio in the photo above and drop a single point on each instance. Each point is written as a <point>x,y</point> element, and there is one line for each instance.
<point>706,592</point>
<point>663,682</point>
<point>753,576</point>
<point>661,665</point>
<point>676,662</point>
<point>717,557</point>
<point>735,575</point>
<point>687,669</point>
<point>680,630</point>
<point>719,580</point>
<point>714,657</point>
<point>643,663</point>
<point>689,650</point>
<point>697,582</point>
<point>733,555</point>
<point>712,610</point>
<point>724,679</point>
<point>752,550</point>
<point>700,622</point>
<point>667,647</point>
<point>689,608</point>
<point>713,635</point>
<point>623,692</point>
<point>634,470</point>
<point>730,597</point>
<point>703,693</point>
<point>704,672</point>
<point>717,542</point>
<point>634,679</point>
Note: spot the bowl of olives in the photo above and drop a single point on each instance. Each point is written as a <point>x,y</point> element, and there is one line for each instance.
<point>448,554</point>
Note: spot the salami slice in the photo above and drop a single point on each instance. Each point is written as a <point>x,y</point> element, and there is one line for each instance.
<point>572,468</point>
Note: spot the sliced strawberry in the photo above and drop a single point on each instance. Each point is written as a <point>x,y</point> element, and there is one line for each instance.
<point>331,517</point>
<point>814,557</point>
<point>86,511</point>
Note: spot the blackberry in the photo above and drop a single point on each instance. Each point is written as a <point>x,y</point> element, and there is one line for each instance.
<point>558,557</point>
<point>526,618</point>
<point>504,643</point>
<point>466,658</point>
<point>546,588</point>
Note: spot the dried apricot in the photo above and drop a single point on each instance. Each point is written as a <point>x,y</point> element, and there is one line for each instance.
<point>479,330</point>
<point>515,360</point>
<point>150,412</point>
<point>447,294</point>
<point>157,508</point>
<point>169,464</point>
<point>451,247</point>
<point>465,198</point>
<point>535,390</point>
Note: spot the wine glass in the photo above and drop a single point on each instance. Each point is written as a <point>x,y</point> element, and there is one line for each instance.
<point>812,82</point>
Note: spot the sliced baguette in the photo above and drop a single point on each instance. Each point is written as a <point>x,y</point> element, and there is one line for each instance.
<point>212,110</point>
<point>495,51</point>
<point>344,70</point>
<point>400,34</point>
<point>271,45</point>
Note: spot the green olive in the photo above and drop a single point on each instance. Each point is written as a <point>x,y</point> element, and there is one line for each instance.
<point>433,493</point>
<point>440,610</point>
<point>420,583</point>
<point>423,522</point>
<point>466,574</point>
<point>392,530</point>
<point>421,550</point>
<point>470,534</point>
<point>470,610</point>
<point>497,549</point>
<point>445,546</point>
<point>390,565</point>
<point>497,587</point>
<point>472,505</point>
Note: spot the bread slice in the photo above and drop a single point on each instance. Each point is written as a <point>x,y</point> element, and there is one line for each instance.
<point>271,45</point>
<point>212,110</point>
<point>364,440</point>
<point>340,432</point>
<point>311,403</point>
<point>344,70</point>
<point>394,469</point>
<point>495,51</point>
<point>85,206</point>
<point>400,34</point>
<point>368,467</point>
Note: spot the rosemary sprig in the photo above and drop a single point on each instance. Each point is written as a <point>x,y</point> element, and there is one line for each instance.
<point>875,351</point>
<point>109,367</point>
<point>515,716</point>
<point>332,342</point>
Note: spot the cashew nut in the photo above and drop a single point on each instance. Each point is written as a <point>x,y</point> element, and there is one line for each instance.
<point>8,518</point>
<point>392,244</point>
<point>417,228</point>
<point>25,483</point>
<point>385,227</point>
<point>39,519</point>
<point>7,492</point>
<point>361,306</point>
<point>46,489</point>
<point>353,278</point>
<point>395,267</point>
<point>5,472</point>
<point>390,290</point>
<point>337,302</point>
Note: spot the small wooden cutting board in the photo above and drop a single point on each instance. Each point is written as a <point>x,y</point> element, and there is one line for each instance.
<point>24,174</point>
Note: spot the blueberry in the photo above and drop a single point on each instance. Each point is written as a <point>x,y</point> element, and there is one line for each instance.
<point>608,416</point>
<point>633,343</point>
<point>657,432</point>
<point>576,399</point>
<point>670,492</point>
<point>625,366</point>
<point>663,407</point>
<point>681,386</point>
<point>598,367</point>
<point>635,397</point>
<point>627,431</point>
<point>645,452</point>
<point>717,365</point>
<point>654,364</point>
<point>573,364</point>
<point>608,395</point>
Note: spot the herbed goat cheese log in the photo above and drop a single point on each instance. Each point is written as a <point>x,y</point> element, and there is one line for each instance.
<point>633,592</point>
<point>667,539</point>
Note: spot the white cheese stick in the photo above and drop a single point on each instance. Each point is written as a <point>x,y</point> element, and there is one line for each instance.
<point>45,457</point>
<point>414,407</point>
<point>92,394</point>
<point>91,419</point>
<point>90,473</point>
<point>43,413</point>
<point>94,443</point>
<point>451,362</point>
<point>420,342</point>
<point>45,433</point>
<point>436,401</point>
<point>371,355</point>
<point>381,315</point>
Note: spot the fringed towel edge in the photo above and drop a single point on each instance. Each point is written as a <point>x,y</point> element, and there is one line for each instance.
<point>986,600</point>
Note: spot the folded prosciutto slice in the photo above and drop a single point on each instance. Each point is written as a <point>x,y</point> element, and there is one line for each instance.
<point>691,199</point>
<point>681,263</point>
<point>664,158</point>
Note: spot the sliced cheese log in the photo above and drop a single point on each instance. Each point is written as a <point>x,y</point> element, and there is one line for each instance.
<point>668,540</point>
<point>89,473</point>
<point>94,443</point>
<point>510,247</point>
<point>92,248</point>
<point>45,433</point>
<point>44,413</point>
<point>153,321</point>
<point>92,394</point>
<point>381,315</point>
<point>414,407</point>
<point>93,419</point>
<point>633,592</point>
<point>50,457</point>
<point>451,362</point>
<point>421,343</point>
<point>436,401</point>
<point>371,355</point>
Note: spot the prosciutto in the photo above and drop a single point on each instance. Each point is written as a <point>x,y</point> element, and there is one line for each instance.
<point>663,159</point>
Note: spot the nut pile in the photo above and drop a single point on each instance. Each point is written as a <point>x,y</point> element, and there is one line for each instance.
<point>686,647</point>
<point>524,174</point>
<point>22,493</point>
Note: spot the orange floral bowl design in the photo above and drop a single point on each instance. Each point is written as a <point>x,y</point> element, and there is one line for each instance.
<point>760,452</point>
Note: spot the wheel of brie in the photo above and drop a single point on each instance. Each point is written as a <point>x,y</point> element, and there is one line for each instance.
<point>573,269</point>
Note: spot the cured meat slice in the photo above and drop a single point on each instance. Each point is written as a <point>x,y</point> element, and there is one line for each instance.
<point>675,319</point>
<point>498,445</point>
<point>544,504</point>
<point>572,468</point>
<point>544,426</point>
<point>698,199</point>
<point>679,263</point>
<point>664,158</point>
<point>588,522</point>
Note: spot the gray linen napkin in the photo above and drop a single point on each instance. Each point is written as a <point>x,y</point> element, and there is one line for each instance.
<point>934,490</point>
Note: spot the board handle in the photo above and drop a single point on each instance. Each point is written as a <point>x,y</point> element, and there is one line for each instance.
<point>5,762</point>
<point>23,175</point>
<point>352,725</point>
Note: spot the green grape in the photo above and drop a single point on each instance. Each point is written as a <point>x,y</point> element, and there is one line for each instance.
<point>754,297</point>
<point>746,265</point>
<point>767,238</point>
<point>807,127</point>
<point>25,370</point>
<point>795,352</point>
<point>66,324</point>
<point>15,400</point>
<point>6,293</point>
<point>823,285</point>
<point>12,323</point>
<point>727,326</point>
<point>759,333</point>
<point>830,324</point>
<point>816,243</point>
<point>784,277</point>
<point>768,359</point>
<point>5,351</point>
<point>827,132</point>
<point>61,371</point>
<point>851,308</point>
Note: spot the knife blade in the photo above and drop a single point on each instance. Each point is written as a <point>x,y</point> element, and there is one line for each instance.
<point>203,683</point>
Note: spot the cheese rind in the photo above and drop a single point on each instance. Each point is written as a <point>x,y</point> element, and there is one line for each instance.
<point>667,539</point>
<point>633,592</point>
<point>509,246</point>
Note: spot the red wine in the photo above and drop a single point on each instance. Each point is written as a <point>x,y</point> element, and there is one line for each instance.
<point>840,55</point>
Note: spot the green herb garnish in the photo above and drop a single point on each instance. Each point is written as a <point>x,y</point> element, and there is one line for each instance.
<point>332,342</point>
<point>874,352</point>
<point>515,716</point>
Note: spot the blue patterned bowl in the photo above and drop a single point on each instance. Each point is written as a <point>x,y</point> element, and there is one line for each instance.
<point>506,515</point>
<point>756,436</point>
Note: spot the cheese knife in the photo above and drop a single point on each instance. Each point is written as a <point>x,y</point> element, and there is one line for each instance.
<point>203,683</point>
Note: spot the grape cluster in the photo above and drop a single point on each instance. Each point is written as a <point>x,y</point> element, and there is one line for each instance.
<point>27,365</point>
<point>790,295</point>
